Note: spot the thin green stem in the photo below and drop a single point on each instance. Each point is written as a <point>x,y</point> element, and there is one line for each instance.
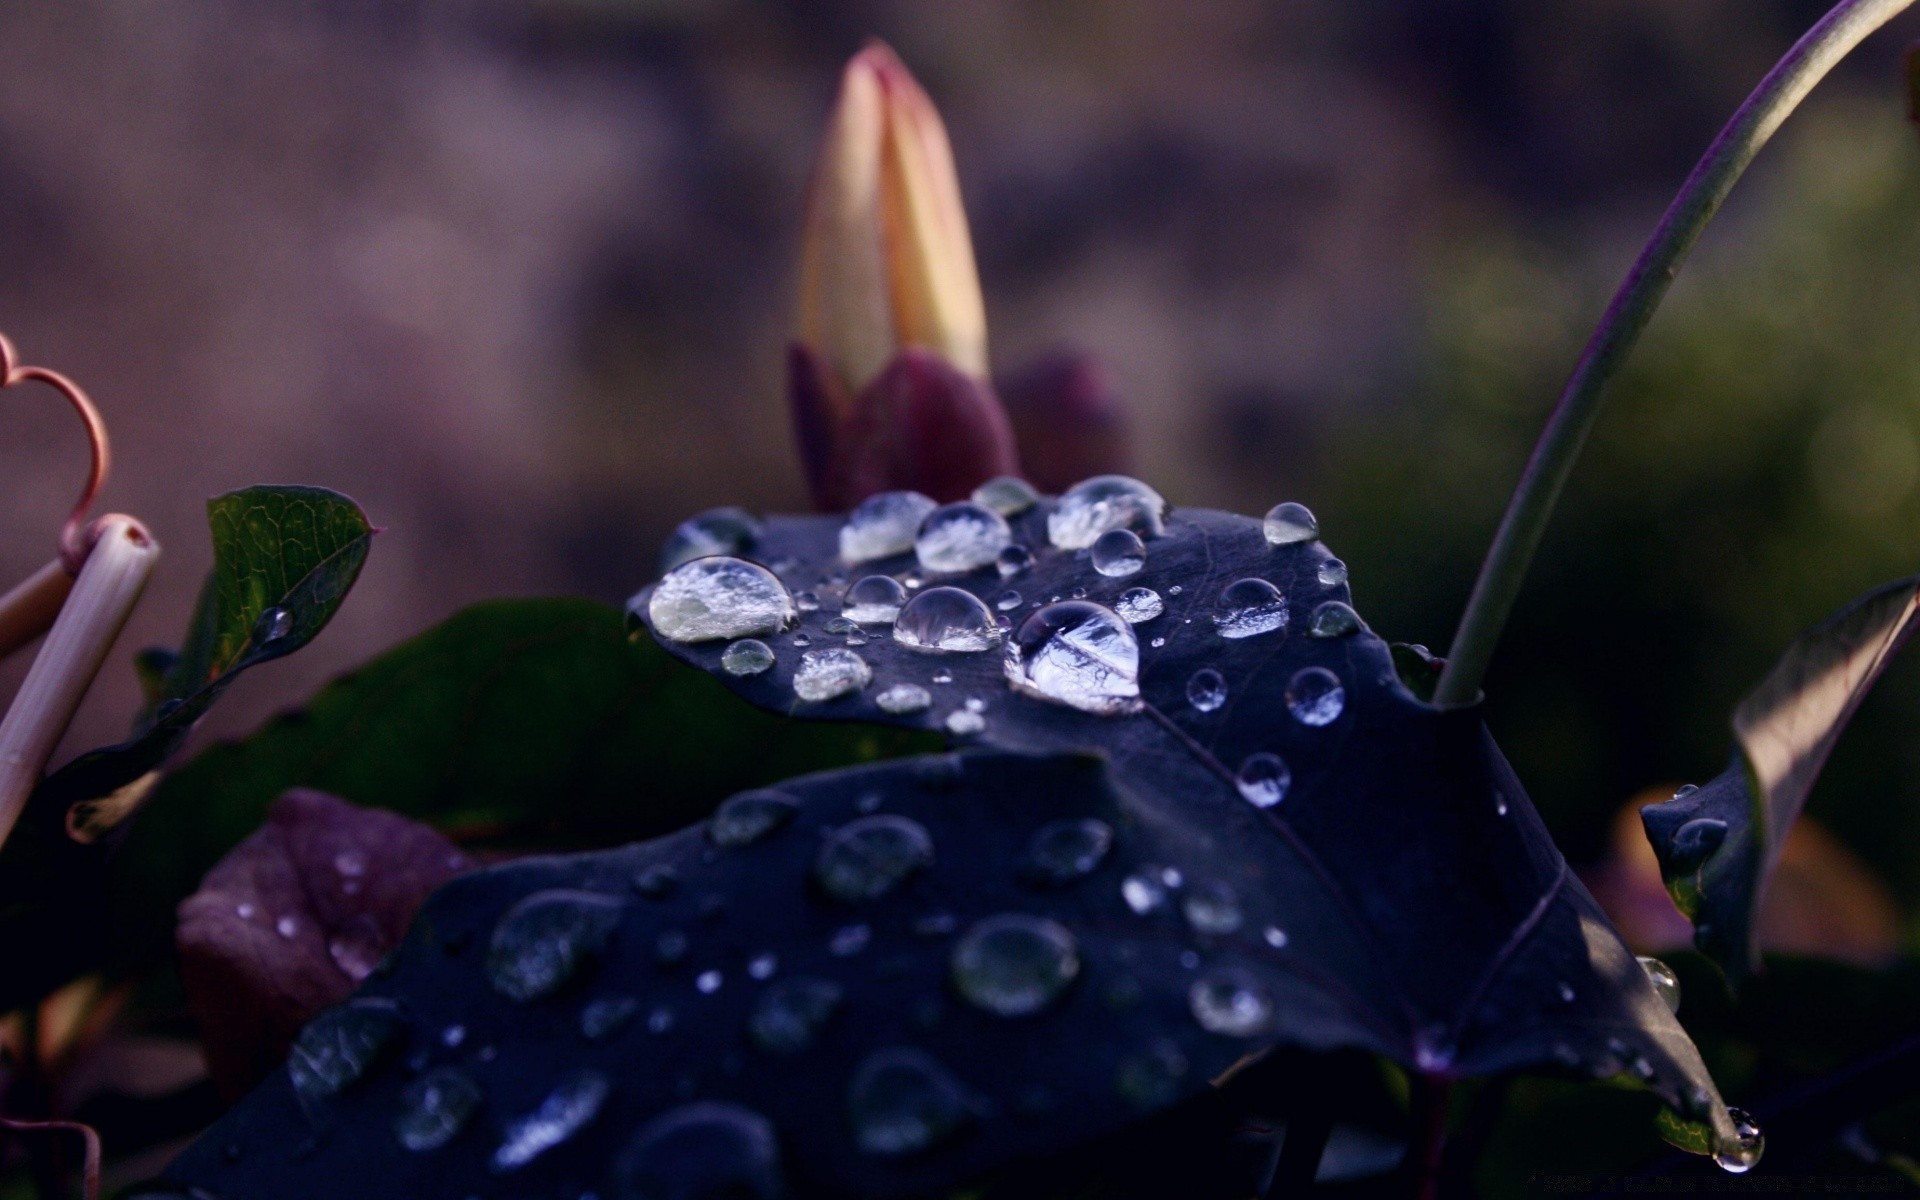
<point>1633,306</point>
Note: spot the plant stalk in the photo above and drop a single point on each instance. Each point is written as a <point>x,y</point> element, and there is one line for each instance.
<point>28,610</point>
<point>109,583</point>
<point>1505,568</point>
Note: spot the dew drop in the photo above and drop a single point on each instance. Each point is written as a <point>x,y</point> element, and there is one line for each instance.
<point>357,948</point>
<point>1231,1001</point>
<point>963,722</point>
<point>1665,983</point>
<point>341,1045</point>
<point>1211,908</point>
<point>748,656</point>
<point>789,1016</point>
<point>1014,965</point>
<point>801,640</point>
<point>1566,992</point>
<point>1139,604</point>
<point>605,1017</point>
<point>750,816</point>
<point>565,1111</point>
<point>807,601</point>
<point>1332,573</point>
<point>1248,608</point>
<point>274,625</point>
<point>703,1151</point>
<point>1066,851</point>
<point>1315,696</point>
<point>730,531</point>
<point>946,620</point>
<point>1014,560</point>
<point>660,1020</point>
<point>1333,619</point>
<point>544,940</point>
<point>1685,790</point>
<point>1006,495</point>
<point>1153,1078</point>
<point>903,1102</point>
<point>1289,523</point>
<point>1263,779</point>
<point>762,966</point>
<point>1078,654</point>
<point>1093,506</point>
<point>867,858</point>
<point>1008,601</point>
<point>1740,1152</point>
<point>849,940</point>
<point>874,600</point>
<point>287,927</point>
<point>1118,552</point>
<point>435,1108</point>
<point>1206,690</point>
<point>883,524</point>
<point>1275,937</point>
<point>711,599</point>
<point>708,982</point>
<point>904,699</point>
<point>829,674</point>
<point>1144,892</point>
<point>956,538</point>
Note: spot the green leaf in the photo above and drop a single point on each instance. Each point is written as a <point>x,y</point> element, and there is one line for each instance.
<point>1718,844</point>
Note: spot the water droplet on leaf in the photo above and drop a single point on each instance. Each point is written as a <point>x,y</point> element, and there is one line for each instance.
<point>274,625</point>
<point>704,1151</point>
<point>867,858</point>
<point>1332,573</point>
<point>1206,690</point>
<point>567,1109</point>
<point>1212,908</point>
<point>1263,779</point>
<point>790,1015</point>
<point>904,699</point>
<point>882,525</point>
<point>1333,619</point>
<point>749,656</point>
<point>1144,892</point>
<point>710,599</point>
<point>1118,552</point>
<point>965,723</point>
<point>1665,983</point>
<point>829,674</point>
<point>546,938</point>
<point>750,816</point>
<point>1136,605</point>
<point>1289,523</point>
<point>1248,608</point>
<point>339,1046</point>
<point>1741,1152</point>
<point>435,1108</point>
<point>1006,495</point>
<point>708,982</point>
<point>1694,842</point>
<point>1315,696</point>
<point>902,1102</point>
<point>1067,851</point>
<point>1014,560</point>
<point>874,600</point>
<point>1232,1002</point>
<point>1093,506</point>
<point>956,538</point>
<point>1078,654</point>
<point>1014,965</point>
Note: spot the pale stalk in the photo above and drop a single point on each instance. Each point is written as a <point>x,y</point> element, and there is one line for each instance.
<point>28,610</point>
<point>104,593</point>
<point>1633,306</point>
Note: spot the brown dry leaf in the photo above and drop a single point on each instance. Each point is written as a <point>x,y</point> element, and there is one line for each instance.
<point>294,917</point>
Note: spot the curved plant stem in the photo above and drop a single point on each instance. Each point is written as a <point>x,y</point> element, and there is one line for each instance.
<point>1633,305</point>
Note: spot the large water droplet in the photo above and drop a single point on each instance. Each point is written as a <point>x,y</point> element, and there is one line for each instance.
<point>874,600</point>
<point>544,940</point>
<point>883,524</point>
<point>1250,607</point>
<point>1263,779</point>
<point>1067,851</point>
<point>1014,965</point>
<point>1333,619</point>
<point>748,656</point>
<point>1665,983</point>
<point>1093,506</point>
<point>1741,1152</point>
<point>1153,1078</point>
<point>274,625</point>
<point>1006,495</point>
<point>341,1045</point>
<point>956,538</point>
<point>1694,842</point>
<point>1315,697</point>
<point>730,531</point>
<point>1136,605</point>
<point>434,1108</point>
<point>1014,560</point>
<point>704,1151</point>
<point>902,1102</point>
<point>710,599</point>
<point>867,858</point>
<point>1289,523</point>
<point>904,699</point>
<point>830,674</point>
<point>1211,908</point>
<point>746,818</point>
<point>1118,552</point>
<point>1332,573</point>
<point>1206,690</point>
<point>565,1111</point>
<point>1231,1001</point>
<point>1078,654</point>
<point>946,620</point>
<point>790,1015</point>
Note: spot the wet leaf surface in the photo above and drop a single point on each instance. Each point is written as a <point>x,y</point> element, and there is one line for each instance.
<point>1389,889</point>
<point>1719,843</point>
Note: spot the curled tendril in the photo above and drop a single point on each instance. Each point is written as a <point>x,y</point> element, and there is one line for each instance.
<point>77,535</point>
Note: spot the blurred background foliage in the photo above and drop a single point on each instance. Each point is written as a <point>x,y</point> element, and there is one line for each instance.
<point>516,274</point>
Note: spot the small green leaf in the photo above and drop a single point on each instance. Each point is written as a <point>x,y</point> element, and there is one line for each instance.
<point>1717,844</point>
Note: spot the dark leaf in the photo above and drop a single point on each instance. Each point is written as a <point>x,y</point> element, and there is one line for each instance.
<point>1401,898</point>
<point>1719,843</point>
<point>294,918</point>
